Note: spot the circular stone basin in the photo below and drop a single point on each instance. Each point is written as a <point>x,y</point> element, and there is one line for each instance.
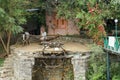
<point>68,46</point>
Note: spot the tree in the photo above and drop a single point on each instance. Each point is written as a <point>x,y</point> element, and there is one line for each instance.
<point>90,14</point>
<point>114,10</point>
<point>11,17</point>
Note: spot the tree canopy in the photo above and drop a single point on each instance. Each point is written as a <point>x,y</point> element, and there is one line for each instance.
<point>90,14</point>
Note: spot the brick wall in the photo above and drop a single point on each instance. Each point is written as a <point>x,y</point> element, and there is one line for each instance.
<point>60,26</point>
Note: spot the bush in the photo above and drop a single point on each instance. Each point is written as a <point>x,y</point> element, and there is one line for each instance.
<point>97,64</point>
<point>97,68</point>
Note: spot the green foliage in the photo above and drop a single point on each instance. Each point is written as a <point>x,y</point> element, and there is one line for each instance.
<point>11,17</point>
<point>116,77</point>
<point>38,15</point>
<point>114,9</point>
<point>97,68</point>
<point>115,70</point>
<point>68,9</point>
<point>97,64</point>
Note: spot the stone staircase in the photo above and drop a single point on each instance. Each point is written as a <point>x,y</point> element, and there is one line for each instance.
<point>6,71</point>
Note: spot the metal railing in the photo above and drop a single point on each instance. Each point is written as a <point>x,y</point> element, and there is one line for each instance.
<point>112,43</point>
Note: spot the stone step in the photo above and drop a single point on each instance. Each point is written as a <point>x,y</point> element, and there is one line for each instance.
<point>5,67</point>
<point>7,78</point>
<point>6,75</point>
<point>8,60</point>
<point>11,55</point>
<point>6,72</point>
<point>6,63</point>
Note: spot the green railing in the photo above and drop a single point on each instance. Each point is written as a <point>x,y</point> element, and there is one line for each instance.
<point>112,43</point>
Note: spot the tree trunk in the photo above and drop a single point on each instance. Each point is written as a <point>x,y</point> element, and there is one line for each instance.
<point>8,42</point>
<point>3,43</point>
<point>6,46</point>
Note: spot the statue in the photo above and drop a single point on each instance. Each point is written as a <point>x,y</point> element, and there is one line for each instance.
<point>26,38</point>
<point>43,34</point>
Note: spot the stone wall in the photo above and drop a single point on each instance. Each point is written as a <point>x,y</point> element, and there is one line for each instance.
<point>24,62</point>
<point>75,39</point>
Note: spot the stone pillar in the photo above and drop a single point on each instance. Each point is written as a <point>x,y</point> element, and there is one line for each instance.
<point>79,66</point>
<point>23,68</point>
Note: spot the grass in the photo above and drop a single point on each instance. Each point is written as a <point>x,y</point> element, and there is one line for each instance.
<point>78,36</point>
<point>1,59</point>
<point>1,62</point>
